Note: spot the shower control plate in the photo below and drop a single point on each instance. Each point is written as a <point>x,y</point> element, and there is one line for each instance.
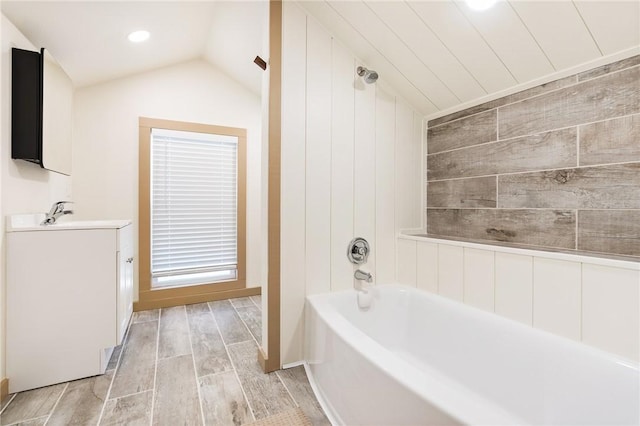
<point>358,251</point>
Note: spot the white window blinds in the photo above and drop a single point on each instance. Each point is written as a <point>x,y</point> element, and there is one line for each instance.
<point>193,205</point>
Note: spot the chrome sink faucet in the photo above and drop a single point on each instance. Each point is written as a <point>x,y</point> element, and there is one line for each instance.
<point>57,210</point>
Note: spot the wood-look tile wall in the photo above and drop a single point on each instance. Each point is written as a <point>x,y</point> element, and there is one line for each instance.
<point>555,166</point>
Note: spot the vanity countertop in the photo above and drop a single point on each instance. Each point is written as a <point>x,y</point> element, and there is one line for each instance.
<point>31,222</point>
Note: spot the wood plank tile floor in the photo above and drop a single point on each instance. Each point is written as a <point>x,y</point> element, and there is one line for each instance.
<point>186,365</point>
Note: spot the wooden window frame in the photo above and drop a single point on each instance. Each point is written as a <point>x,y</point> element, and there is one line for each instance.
<point>150,298</point>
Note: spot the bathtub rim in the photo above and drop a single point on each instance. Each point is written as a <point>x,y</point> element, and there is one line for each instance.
<point>627,362</point>
<point>428,385</point>
<point>328,313</point>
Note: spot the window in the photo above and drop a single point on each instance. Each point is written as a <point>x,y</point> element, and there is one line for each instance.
<point>192,207</point>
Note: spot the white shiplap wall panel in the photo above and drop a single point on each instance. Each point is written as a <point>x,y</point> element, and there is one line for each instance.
<point>557,287</point>
<point>428,48</point>
<point>334,185</point>
<point>318,159</point>
<point>408,180</point>
<point>457,33</point>
<point>367,52</point>
<point>451,272</point>
<point>559,30</point>
<point>407,262</point>
<point>292,209</point>
<point>514,287</point>
<point>611,309</point>
<point>615,25</point>
<point>503,30</point>
<point>342,164</point>
<point>426,266</point>
<point>589,299</point>
<point>366,22</point>
<point>479,278</point>
<point>364,219</point>
<point>385,187</point>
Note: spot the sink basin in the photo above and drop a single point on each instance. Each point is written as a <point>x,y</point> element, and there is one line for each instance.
<point>32,222</point>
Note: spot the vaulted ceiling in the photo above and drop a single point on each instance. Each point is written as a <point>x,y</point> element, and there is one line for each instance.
<point>89,38</point>
<point>437,54</point>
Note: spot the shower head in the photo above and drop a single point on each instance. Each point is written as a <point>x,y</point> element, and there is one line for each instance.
<point>369,76</point>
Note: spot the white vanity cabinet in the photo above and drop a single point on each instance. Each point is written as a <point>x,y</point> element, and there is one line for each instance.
<point>124,296</point>
<point>69,299</point>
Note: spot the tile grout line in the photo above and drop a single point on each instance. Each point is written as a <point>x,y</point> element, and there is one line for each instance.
<point>525,135</point>
<point>498,124</point>
<point>155,369</point>
<point>255,304</point>
<point>130,394</point>
<point>219,373</point>
<point>589,166</point>
<point>235,371</point>
<point>144,322</point>
<point>56,404</point>
<point>9,403</point>
<point>497,192</point>
<point>21,422</point>
<point>287,389</point>
<point>234,305</point>
<point>245,325</point>
<point>239,343</point>
<point>532,208</point>
<point>578,146</point>
<point>195,368</point>
<point>577,229</point>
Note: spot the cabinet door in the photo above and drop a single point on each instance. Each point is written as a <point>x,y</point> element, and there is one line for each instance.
<point>125,282</point>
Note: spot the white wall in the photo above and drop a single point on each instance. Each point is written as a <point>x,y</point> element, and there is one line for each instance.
<point>24,187</point>
<point>105,155</point>
<point>351,166</point>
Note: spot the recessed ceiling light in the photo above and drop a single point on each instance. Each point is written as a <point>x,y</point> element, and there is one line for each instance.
<point>480,4</point>
<point>138,36</point>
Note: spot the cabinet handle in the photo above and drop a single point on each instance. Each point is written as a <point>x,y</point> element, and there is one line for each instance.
<point>130,260</point>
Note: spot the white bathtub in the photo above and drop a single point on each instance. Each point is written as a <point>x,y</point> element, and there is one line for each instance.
<point>414,358</point>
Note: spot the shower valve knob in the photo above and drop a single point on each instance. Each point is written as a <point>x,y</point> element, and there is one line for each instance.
<point>358,251</point>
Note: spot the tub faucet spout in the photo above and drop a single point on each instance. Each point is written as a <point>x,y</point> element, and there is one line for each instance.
<point>363,276</point>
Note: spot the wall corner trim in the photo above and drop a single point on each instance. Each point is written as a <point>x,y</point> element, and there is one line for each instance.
<point>267,364</point>
<point>271,360</point>
<point>4,389</point>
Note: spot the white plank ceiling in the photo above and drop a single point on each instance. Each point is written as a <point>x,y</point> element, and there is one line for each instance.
<point>436,54</point>
<point>440,54</point>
